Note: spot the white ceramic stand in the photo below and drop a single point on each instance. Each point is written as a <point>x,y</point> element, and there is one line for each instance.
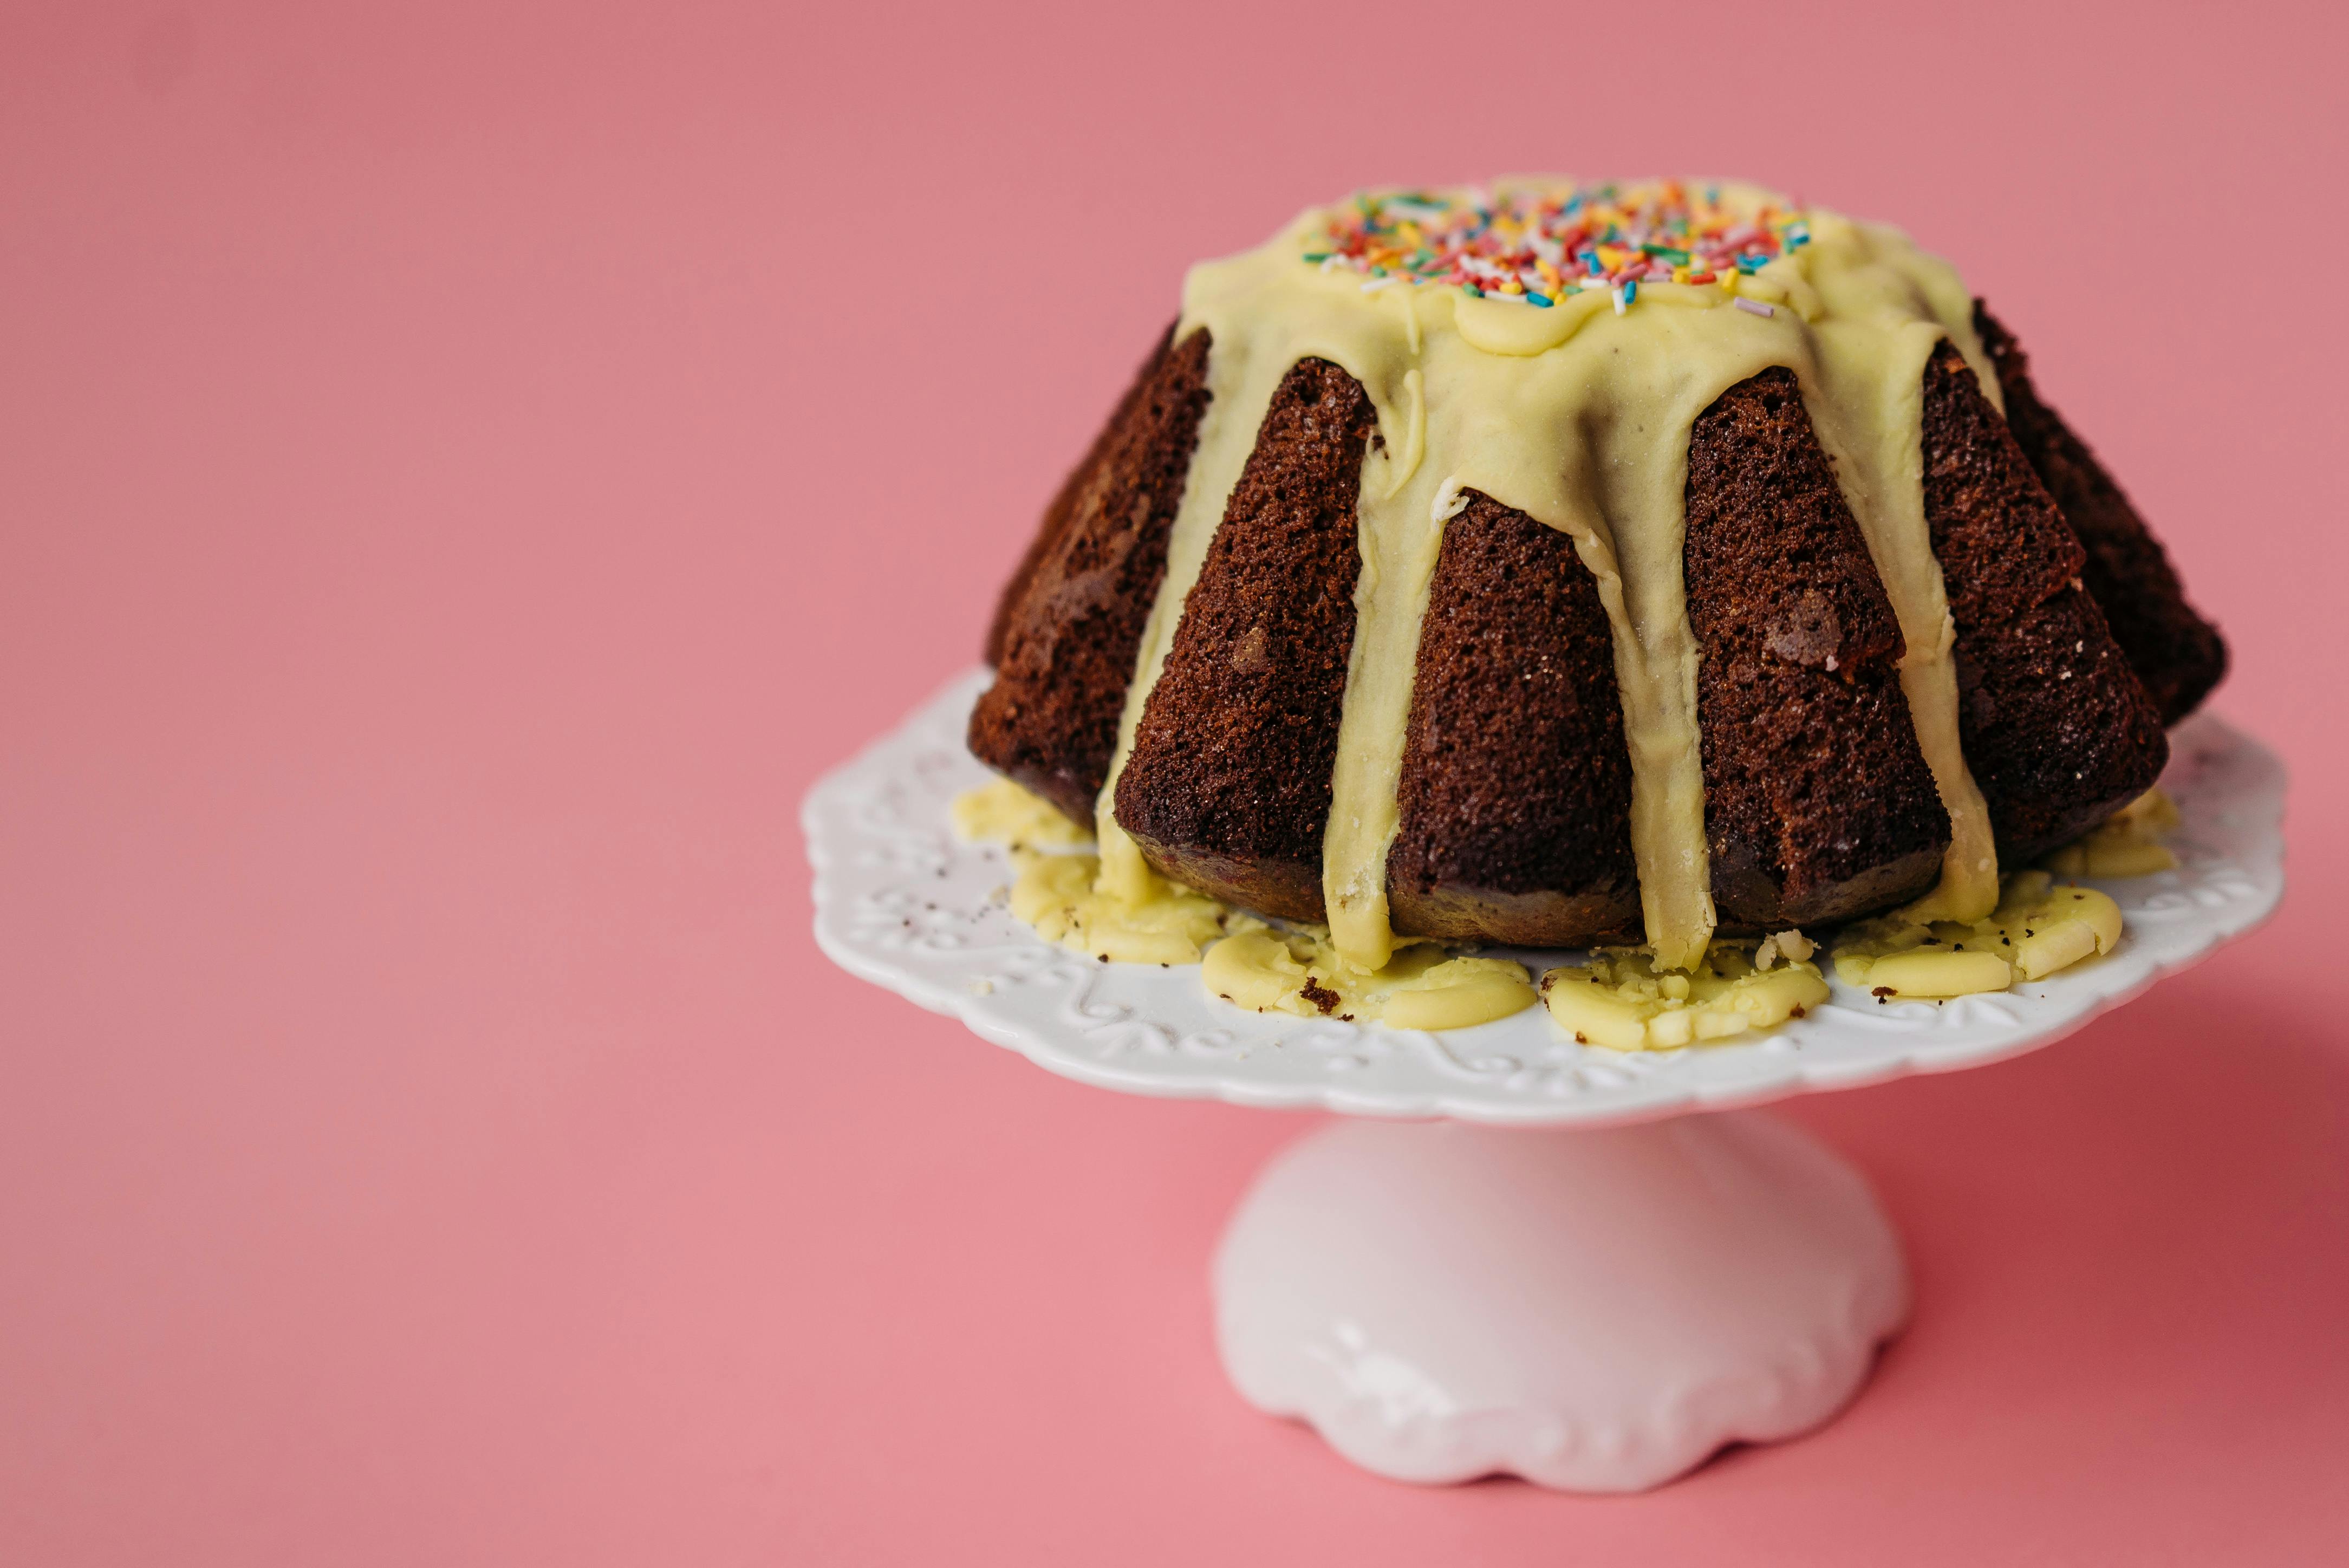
<point>1595,1311</point>
<point>1595,1275</point>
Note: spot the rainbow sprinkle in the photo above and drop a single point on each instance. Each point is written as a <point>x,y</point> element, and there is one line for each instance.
<point>1542,244</point>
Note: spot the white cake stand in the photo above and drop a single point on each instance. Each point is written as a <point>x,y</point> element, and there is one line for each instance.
<point>1569,1277</point>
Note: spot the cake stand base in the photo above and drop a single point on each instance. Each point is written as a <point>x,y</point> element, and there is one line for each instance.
<point>1595,1311</point>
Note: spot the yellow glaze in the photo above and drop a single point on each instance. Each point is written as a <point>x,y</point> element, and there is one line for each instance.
<point>1168,924</point>
<point>1625,1000</point>
<point>2037,928</point>
<point>2126,845</point>
<point>1059,894</point>
<point>2054,927</point>
<point>1299,972</point>
<point>1266,971</point>
<point>1577,414</point>
<point>1937,972</point>
<point>1002,812</point>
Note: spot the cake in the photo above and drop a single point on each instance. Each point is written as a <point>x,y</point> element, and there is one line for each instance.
<point>1549,565</point>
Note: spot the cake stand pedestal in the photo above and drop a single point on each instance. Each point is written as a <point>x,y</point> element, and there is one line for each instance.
<point>1574,1266</point>
<point>1595,1311</point>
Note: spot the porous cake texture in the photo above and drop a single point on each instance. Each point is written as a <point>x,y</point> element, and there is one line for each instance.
<point>1557,563</point>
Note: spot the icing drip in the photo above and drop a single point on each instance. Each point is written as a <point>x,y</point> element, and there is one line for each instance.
<point>1625,1001</point>
<point>1577,413</point>
<point>1002,812</point>
<point>2037,927</point>
<point>1877,321</point>
<point>1298,972</point>
<point>1247,961</point>
<point>2128,845</point>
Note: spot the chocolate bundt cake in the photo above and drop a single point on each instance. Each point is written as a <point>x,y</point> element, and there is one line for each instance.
<point>1554,564</point>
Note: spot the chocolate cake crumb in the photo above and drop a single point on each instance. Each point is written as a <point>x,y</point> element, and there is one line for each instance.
<point>1818,804</point>
<point>1070,625</point>
<point>2074,644</point>
<point>1228,787</point>
<point>1514,797</point>
<point>2175,653</point>
<point>2058,731</point>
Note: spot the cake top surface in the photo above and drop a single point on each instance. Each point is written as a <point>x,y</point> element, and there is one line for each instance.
<point>1549,345</point>
<point>1540,240</point>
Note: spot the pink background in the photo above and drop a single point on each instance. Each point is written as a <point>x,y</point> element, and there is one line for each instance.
<point>463,476</point>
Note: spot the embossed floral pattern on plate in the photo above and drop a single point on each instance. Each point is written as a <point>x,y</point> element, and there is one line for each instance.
<point>904,903</point>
